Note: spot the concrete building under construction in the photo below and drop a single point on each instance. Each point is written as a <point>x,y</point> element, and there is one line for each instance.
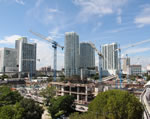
<point>83,93</point>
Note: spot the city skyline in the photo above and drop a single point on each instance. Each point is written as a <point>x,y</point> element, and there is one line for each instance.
<point>101,22</point>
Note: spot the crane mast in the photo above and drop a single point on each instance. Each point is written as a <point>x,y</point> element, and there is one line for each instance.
<point>119,51</point>
<point>100,59</point>
<point>54,45</point>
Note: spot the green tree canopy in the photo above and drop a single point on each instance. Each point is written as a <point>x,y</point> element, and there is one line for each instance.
<point>11,112</point>
<point>8,97</point>
<point>76,115</point>
<point>4,76</point>
<point>32,110</point>
<point>13,106</point>
<point>148,78</point>
<point>48,94</point>
<point>113,104</point>
<point>116,104</point>
<point>62,105</point>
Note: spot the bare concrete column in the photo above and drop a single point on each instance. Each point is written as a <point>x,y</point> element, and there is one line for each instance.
<point>70,90</point>
<point>86,93</point>
<point>62,90</point>
<point>77,93</point>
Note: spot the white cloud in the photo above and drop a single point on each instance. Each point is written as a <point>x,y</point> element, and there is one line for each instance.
<point>54,33</point>
<point>9,39</point>
<point>118,30</point>
<point>38,3</point>
<point>51,10</point>
<point>144,17</point>
<point>119,12</point>
<point>99,24</point>
<point>99,7</point>
<point>20,2</point>
<point>119,20</point>
<point>42,13</point>
<point>50,15</point>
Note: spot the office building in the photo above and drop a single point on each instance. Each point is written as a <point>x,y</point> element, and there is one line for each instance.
<point>135,70</point>
<point>45,69</point>
<point>126,64</point>
<point>87,58</point>
<point>26,55</point>
<point>110,59</point>
<point>8,62</point>
<point>71,61</point>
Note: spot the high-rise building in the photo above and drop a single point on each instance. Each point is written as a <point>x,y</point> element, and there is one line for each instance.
<point>126,64</point>
<point>110,58</point>
<point>8,62</point>
<point>71,54</point>
<point>87,57</point>
<point>26,55</point>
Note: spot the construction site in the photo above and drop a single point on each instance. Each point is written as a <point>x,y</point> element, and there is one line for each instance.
<point>79,76</point>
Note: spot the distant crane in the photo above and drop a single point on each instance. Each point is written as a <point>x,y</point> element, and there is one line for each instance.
<point>54,45</point>
<point>119,51</point>
<point>100,59</point>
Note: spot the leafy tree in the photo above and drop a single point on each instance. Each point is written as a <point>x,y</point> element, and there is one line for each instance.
<point>11,112</point>
<point>148,78</point>
<point>13,106</point>
<point>48,94</point>
<point>8,97</point>
<point>32,110</point>
<point>116,104</point>
<point>62,79</point>
<point>62,105</point>
<point>96,76</point>
<point>50,79</point>
<point>132,77</point>
<point>76,115</point>
<point>4,76</point>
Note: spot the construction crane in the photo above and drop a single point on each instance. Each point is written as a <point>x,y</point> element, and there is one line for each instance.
<point>100,59</point>
<point>119,51</point>
<point>54,45</point>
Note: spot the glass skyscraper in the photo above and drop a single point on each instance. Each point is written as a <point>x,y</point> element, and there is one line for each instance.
<point>72,59</point>
<point>26,55</point>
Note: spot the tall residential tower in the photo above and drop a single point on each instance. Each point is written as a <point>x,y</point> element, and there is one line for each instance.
<point>110,58</point>
<point>71,54</point>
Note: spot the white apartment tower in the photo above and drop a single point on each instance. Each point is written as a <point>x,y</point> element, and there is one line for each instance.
<point>26,55</point>
<point>71,54</point>
<point>110,59</point>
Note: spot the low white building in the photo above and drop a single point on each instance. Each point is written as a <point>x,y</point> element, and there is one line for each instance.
<point>134,70</point>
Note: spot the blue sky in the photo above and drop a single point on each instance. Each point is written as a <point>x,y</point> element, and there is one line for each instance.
<point>100,21</point>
